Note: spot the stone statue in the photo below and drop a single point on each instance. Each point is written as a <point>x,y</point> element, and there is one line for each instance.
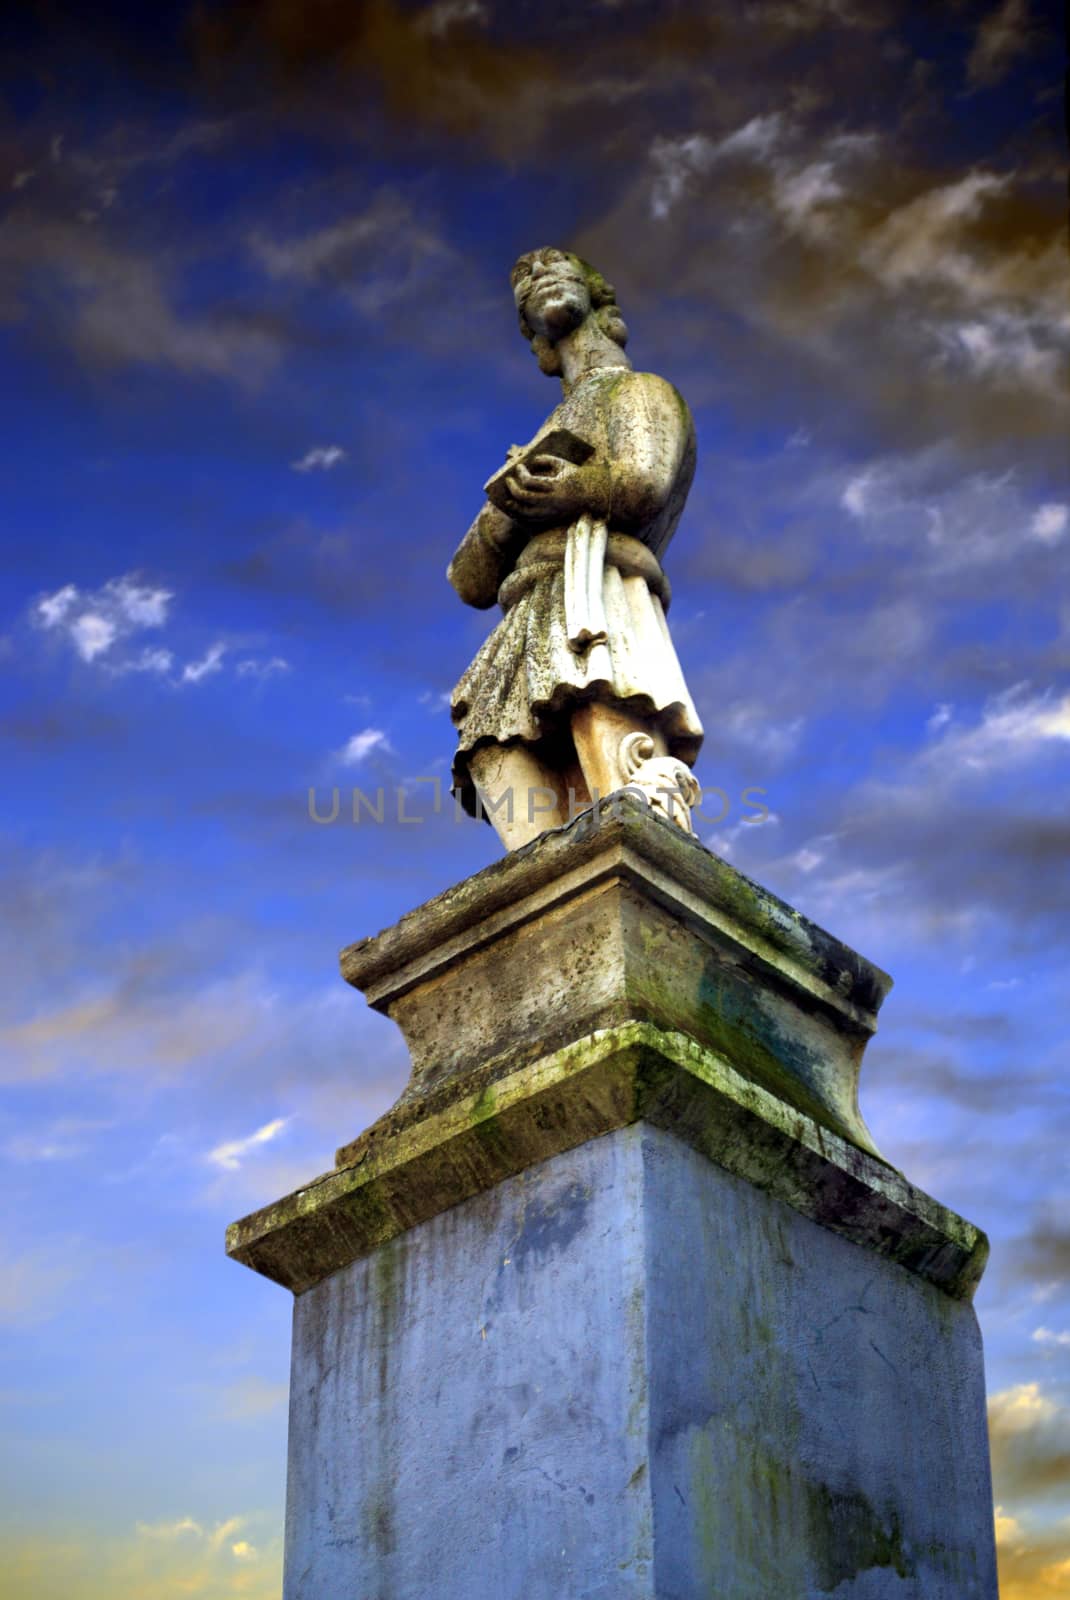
<point>578,692</point>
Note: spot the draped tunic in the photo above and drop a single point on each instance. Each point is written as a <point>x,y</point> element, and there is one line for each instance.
<point>584,600</point>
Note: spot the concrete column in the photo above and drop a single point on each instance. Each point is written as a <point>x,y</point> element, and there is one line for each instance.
<point>620,1302</point>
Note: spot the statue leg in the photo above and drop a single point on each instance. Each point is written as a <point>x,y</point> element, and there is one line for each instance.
<point>618,748</point>
<point>521,796</point>
<point>599,731</point>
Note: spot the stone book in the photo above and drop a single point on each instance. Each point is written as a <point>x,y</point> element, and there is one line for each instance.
<point>561,443</point>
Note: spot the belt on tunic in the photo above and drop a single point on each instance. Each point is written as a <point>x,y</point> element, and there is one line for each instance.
<point>584,550</point>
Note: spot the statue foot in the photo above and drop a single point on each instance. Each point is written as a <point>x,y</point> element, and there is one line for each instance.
<point>667,784</point>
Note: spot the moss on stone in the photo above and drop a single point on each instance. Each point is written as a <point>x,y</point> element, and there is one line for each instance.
<point>608,1080</point>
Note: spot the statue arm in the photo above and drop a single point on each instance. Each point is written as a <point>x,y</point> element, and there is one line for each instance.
<point>651,449</point>
<point>642,464</point>
<point>484,557</point>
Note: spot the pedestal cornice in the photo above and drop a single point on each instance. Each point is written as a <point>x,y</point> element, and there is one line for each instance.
<point>614,971</point>
<point>496,1126</point>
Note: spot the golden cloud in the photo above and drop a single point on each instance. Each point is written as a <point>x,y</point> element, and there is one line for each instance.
<point>177,1559</point>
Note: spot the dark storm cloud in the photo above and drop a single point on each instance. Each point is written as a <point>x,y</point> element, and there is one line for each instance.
<point>508,82</point>
<point>48,727</point>
<point>338,570</point>
<point>926,1074</point>
<point>867,580</point>
<point>798,204</point>
<point>821,257</point>
<point>969,1026</point>
<point>1030,1437</point>
<point>1043,1254</point>
<point>962,841</point>
<point>945,862</point>
<point>1007,32</point>
<point>89,281</point>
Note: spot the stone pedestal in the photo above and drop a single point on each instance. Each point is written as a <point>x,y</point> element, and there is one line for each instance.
<point>620,1300</point>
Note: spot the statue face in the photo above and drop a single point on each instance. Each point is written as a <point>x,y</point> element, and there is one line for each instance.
<point>551,291</point>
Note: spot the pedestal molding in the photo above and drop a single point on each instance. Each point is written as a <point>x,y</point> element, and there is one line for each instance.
<point>606,1081</point>
<point>629,838</point>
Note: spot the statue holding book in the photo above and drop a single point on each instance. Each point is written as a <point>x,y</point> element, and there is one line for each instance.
<point>578,692</point>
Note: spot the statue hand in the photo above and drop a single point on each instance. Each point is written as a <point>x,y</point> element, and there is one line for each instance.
<point>549,487</point>
<point>495,527</point>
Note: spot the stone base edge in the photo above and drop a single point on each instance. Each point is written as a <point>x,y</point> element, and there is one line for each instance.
<point>605,1081</point>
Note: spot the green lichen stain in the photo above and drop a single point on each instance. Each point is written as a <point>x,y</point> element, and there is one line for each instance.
<point>847,1536</point>
<point>757,1516</point>
<point>485,1103</point>
<point>484,1121</point>
<point>385,1295</point>
<point>730,1023</point>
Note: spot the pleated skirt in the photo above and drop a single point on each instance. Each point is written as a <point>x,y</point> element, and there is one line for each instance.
<point>527,680</point>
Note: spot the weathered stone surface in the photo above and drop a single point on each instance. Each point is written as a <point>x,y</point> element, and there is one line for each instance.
<point>618,1302</point>
<point>628,1374</point>
<point>568,542</point>
<point>618,918</point>
<point>597,1085</point>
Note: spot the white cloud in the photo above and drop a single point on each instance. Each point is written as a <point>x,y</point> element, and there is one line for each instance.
<point>804,188</point>
<point>222,1535</point>
<point>1013,726</point>
<point>209,664</point>
<point>170,1530</point>
<point>1007,349</point>
<point>54,607</point>
<point>435,699</point>
<point>158,661</point>
<point>252,668</point>
<point>758,137</point>
<point>142,606</point>
<point>1008,1529</point>
<point>859,496</point>
<point>1047,1336</point>
<point>93,621</point>
<point>677,162</point>
<point>92,635</point>
<point>807,860</point>
<point>228,1157</point>
<point>1009,325</point>
<point>1050,522</point>
<point>940,717</point>
<point>957,521</point>
<point>362,744</point>
<point>320,458</point>
<point>920,240</point>
<point>750,724</point>
<point>438,19</point>
<point>1019,1408</point>
<point>800,195</point>
<point>181,1557</point>
<point>378,259</point>
<point>725,842</point>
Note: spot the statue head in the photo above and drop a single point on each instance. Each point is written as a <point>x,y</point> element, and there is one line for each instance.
<point>555,293</point>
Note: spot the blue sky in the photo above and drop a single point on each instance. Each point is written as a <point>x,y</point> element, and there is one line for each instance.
<point>260,356</point>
